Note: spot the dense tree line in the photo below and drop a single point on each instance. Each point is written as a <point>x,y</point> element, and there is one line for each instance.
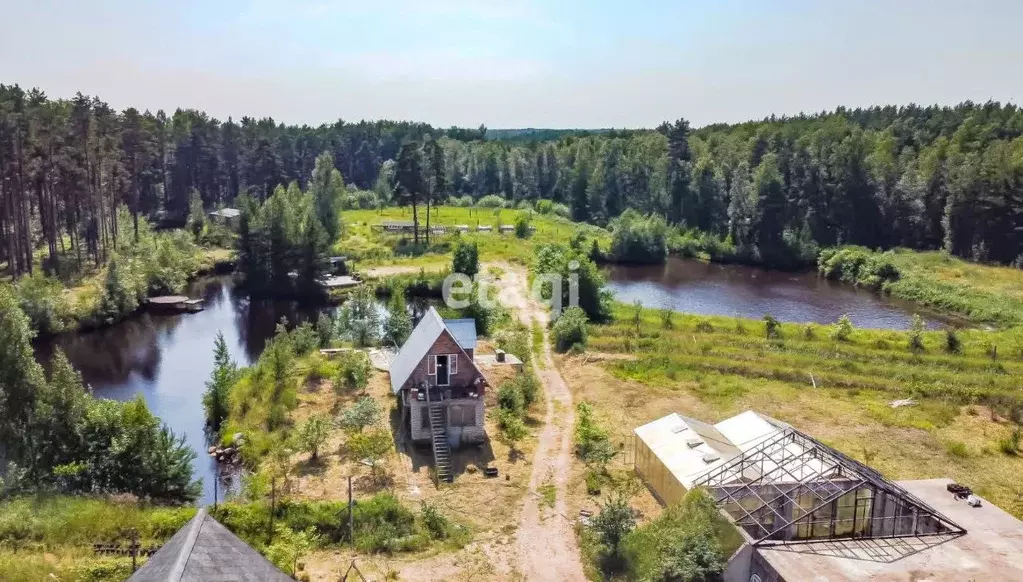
<point>56,436</point>
<point>66,165</point>
<point>921,177</point>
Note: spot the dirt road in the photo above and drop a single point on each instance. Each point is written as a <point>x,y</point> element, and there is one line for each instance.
<point>547,548</point>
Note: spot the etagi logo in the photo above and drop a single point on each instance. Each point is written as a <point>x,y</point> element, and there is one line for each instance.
<point>546,288</point>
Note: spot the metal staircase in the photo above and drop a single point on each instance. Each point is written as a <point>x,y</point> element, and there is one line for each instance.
<point>439,437</point>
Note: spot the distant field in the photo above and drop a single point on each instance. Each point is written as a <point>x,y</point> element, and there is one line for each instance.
<point>371,247</point>
<point>714,367</point>
<point>982,293</point>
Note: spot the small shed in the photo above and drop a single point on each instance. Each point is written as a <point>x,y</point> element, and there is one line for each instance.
<point>339,265</point>
<point>397,226</point>
<point>228,216</point>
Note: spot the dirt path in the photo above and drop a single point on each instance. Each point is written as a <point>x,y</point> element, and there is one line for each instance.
<point>547,548</point>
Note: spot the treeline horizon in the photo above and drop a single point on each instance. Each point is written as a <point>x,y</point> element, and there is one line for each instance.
<point>936,177</point>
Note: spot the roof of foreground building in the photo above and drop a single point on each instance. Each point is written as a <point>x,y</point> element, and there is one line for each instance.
<point>206,551</point>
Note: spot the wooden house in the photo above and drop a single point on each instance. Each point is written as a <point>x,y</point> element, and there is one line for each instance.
<point>440,387</point>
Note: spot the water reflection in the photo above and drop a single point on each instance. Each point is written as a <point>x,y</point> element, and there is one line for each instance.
<point>713,289</point>
<point>168,358</point>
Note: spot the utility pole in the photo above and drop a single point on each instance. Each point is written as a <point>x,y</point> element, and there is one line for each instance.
<point>216,479</point>
<point>351,514</point>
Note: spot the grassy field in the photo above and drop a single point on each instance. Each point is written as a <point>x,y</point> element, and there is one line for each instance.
<point>51,538</point>
<point>373,248</point>
<point>839,391</point>
<point>981,293</point>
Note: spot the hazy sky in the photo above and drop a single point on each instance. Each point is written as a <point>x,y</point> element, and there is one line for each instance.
<point>514,63</point>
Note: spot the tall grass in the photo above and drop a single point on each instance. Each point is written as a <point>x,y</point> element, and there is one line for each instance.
<point>875,360</point>
<point>981,293</point>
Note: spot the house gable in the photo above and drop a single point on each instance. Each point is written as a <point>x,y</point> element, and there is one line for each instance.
<point>432,337</point>
<point>466,373</point>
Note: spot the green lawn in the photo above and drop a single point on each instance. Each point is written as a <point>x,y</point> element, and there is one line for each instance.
<point>981,293</point>
<point>373,248</point>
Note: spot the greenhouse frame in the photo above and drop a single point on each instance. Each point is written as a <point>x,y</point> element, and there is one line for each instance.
<point>777,484</point>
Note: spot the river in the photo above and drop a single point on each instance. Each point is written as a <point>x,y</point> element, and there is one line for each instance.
<point>168,358</point>
<point>706,288</point>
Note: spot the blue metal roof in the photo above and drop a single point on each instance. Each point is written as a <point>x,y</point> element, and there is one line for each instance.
<point>464,332</point>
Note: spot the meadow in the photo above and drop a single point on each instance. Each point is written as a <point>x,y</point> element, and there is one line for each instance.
<point>52,537</point>
<point>963,422</point>
<point>372,248</point>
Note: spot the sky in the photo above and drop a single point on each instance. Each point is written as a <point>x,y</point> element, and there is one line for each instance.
<point>514,63</point>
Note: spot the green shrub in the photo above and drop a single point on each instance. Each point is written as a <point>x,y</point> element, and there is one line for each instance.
<point>491,201</point>
<point>916,334</point>
<point>704,326</point>
<point>438,525</point>
<point>460,201</point>
<point>953,344</point>
<point>615,520</point>
<point>509,398</point>
<point>843,329</point>
<point>594,481</point>
<point>957,449</point>
<point>772,327</point>
<point>687,541</point>
<point>639,239</point>
<point>592,443</point>
<point>570,329</point>
<point>514,341</point>
<point>523,225</point>
<point>859,266</point>
<point>466,258</point>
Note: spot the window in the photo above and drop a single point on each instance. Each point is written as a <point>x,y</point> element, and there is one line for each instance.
<point>431,365</point>
<point>462,415</point>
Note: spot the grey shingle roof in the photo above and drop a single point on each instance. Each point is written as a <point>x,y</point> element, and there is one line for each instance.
<point>415,348</point>
<point>206,551</point>
<point>464,332</point>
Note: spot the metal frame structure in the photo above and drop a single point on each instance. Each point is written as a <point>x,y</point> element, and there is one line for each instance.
<point>795,483</point>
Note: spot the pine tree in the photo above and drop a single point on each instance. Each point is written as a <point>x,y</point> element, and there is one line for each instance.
<point>409,178</point>
<point>327,187</point>
<point>218,387</point>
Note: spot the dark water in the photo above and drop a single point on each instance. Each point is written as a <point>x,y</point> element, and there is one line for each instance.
<point>168,358</point>
<point>713,289</point>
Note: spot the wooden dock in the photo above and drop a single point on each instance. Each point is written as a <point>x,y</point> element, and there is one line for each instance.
<point>175,304</point>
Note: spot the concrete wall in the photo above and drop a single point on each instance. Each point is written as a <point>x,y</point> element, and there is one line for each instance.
<point>760,568</point>
<point>419,414</point>
<point>738,567</point>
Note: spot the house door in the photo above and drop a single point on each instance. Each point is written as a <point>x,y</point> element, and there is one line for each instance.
<point>443,374</point>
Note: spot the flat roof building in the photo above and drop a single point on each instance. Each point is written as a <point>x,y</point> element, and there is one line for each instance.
<point>809,512</point>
